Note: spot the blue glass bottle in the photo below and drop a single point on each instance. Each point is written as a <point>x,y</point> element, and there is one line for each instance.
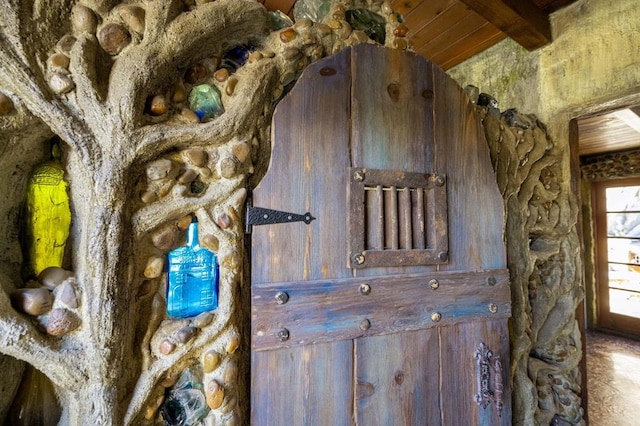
<point>192,278</point>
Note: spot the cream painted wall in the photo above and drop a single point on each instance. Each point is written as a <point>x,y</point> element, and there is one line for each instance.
<point>593,60</point>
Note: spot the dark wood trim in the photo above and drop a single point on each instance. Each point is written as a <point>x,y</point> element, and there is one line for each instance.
<point>552,6</point>
<point>607,319</point>
<point>574,149</point>
<point>519,19</point>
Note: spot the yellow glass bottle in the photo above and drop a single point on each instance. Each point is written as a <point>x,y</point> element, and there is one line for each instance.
<point>47,215</point>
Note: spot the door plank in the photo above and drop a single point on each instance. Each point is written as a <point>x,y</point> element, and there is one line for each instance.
<point>324,311</point>
<point>458,370</point>
<point>391,121</point>
<point>304,142</point>
<point>395,380</point>
<point>475,204</point>
<point>392,114</point>
<point>307,385</point>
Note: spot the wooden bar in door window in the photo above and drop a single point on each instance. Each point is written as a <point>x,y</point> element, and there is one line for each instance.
<point>418,219</point>
<point>406,236</point>
<point>380,218</point>
<point>391,217</point>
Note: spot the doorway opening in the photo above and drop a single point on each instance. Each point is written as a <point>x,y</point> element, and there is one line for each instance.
<point>605,144</point>
<point>616,209</point>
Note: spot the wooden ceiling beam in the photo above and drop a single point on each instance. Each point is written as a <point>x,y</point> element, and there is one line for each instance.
<point>521,20</point>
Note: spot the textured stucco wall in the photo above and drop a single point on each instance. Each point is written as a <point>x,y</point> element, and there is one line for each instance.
<point>593,64</point>
<point>593,59</point>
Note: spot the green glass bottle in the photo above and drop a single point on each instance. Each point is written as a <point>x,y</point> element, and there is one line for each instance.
<point>35,403</point>
<point>47,215</point>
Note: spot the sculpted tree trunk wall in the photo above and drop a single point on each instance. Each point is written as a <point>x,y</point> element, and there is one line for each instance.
<point>543,255</point>
<point>113,81</point>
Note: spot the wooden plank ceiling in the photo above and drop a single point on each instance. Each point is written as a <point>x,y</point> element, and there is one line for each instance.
<point>448,32</point>
<point>614,131</point>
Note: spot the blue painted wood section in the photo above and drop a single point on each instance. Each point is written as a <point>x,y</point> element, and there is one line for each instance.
<point>307,385</point>
<point>324,311</point>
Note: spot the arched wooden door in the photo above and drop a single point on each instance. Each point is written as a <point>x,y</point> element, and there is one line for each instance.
<point>391,307</point>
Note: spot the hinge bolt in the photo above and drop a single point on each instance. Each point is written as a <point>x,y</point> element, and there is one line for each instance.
<point>436,316</point>
<point>281,298</point>
<point>491,281</point>
<point>365,289</point>
<point>358,175</point>
<point>283,335</point>
<point>443,256</point>
<point>358,258</point>
<point>438,180</point>
<point>434,284</point>
<point>365,324</point>
<point>493,308</point>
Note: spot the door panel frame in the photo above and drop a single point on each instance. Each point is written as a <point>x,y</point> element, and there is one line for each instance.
<point>607,320</point>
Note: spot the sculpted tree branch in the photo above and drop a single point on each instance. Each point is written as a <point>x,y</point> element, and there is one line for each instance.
<point>20,339</point>
<point>138,173</point>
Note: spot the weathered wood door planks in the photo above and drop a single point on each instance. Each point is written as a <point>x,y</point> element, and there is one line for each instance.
<point>348,336</point>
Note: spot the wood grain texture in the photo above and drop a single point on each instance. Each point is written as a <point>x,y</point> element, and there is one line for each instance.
<point>519,19</point>
<point>457,346</point>
<point>391,132</point>
<point>475,205</point>
<point>396,380</point>
<point>307,385</point>
<point>324,311</point>
<point>383,351</point>
<point>608,132</point>
<point>308,172</point>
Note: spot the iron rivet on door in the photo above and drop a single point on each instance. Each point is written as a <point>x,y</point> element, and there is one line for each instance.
<point>439,180</point>
<point>281,297</point>
<point>436,316</point>
<point>358,175</point>
<point>358,258</point>
<point>434,284</point>
<point>365,324</point>
<point>365,289</point>
<point>491,281</point>
<point>493,308</point>
<point>283,335</point>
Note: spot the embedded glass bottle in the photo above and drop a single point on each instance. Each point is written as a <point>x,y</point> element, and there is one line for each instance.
<point>35,402</point>
<point>47,215</point>
<point>192,278</point>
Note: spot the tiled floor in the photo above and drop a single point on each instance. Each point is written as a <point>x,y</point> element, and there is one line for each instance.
<point>613,380</point>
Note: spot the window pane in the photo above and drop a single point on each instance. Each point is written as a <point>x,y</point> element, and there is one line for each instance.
<point>623,250</point>
<point>624,302</point>
<point>623,225</point>
<point>623,198</point>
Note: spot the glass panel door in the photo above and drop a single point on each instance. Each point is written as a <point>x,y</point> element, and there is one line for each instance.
<point>617,221</point>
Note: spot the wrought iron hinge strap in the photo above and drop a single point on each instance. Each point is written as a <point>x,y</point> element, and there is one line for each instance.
<point>262,216</point>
